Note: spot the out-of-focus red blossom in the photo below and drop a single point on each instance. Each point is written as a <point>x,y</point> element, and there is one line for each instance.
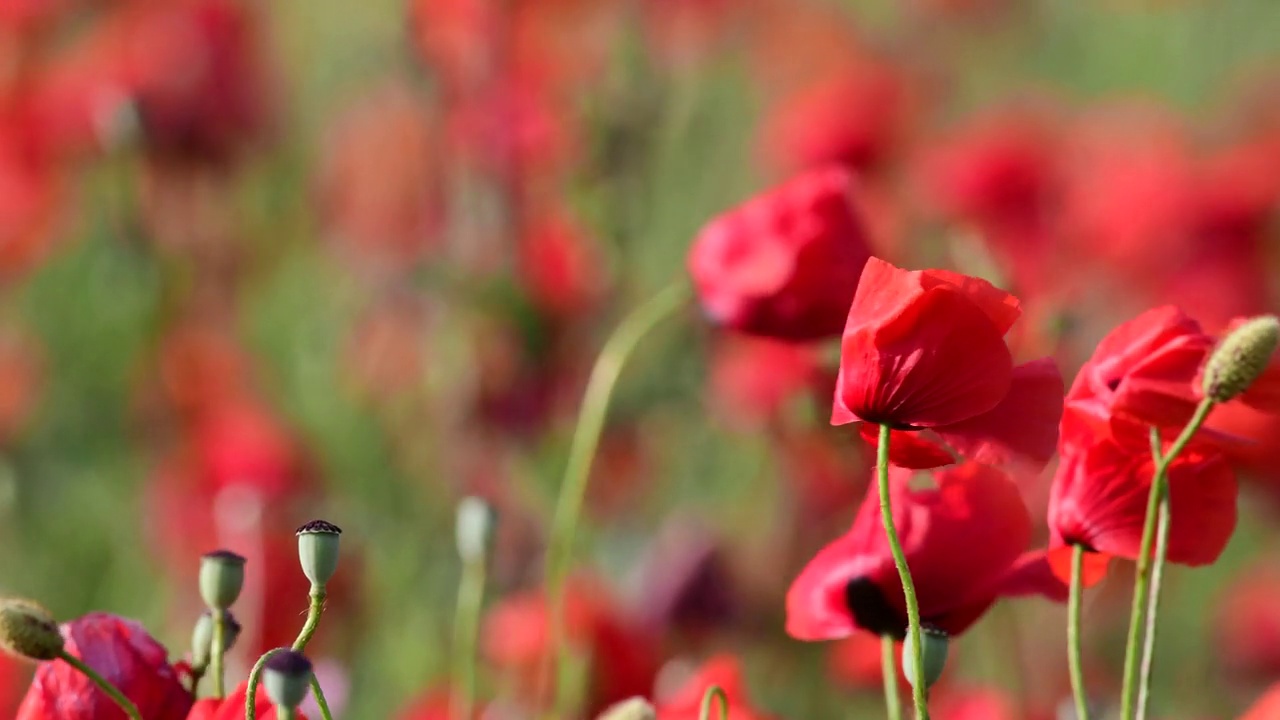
<point>623,657</point>
<point>683,31</point>
<point>126,656</point>
<point>456,37</point>
<point>232,707</point>
<point>31,192</point>
<point>961,539</point>
<point>201,368</point>
<point>1247,626</point>
<point>1258,456</point>
<point>1266,707</point>
<point>21,375</point>
<point>753,379</point>
<point>785,263</point>
<point>955,703</point>
<point>823,472</point>
<point>621,469</point>
<point>926,349</point>
<point>378,191</point>
<point>723,671</point>
<point>855,662</point>
<point>852,117</point>
<point>385,356</point>
<point>435,705</point>
<point>560,267</point>
<point>14,674</point>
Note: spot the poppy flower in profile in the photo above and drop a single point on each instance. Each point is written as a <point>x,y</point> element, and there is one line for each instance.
<point>785,263</point>
<point>232,706</point>
<point>126,656</point>
<point>925,350</point>
<point>960,538</point>
<point>723,671</point>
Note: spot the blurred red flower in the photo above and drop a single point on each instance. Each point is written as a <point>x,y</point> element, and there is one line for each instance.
<point>960,538</point>
<point>1247,625</point>
<point>435,705</point>
<point>1266,707</point>
<point>723,671</point>
<point>855,662</point>
<point>560,267</point>
<point>21,377</point>
<point>785,263</point>
<point>126,656</point>
<point>232,707</point>
<point>31,193</point>
<point>926,349</point>
<point>754,379</point>
<point>953,703</point>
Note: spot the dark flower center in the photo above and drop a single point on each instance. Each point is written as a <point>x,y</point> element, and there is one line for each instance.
<point>871,611</point>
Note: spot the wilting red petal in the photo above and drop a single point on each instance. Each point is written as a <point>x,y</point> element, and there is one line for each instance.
<point>1024,426</point>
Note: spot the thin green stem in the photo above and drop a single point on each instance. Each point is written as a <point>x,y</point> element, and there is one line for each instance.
<point>255,677</point>
<point>713,693</point>
<point>889,668</point>
<point>216,652</point>
<point>918,691</point>
<point>323,704</point>
<point>465,630</point>
<point>1142,579</point>
<point>314,611</point>
<point>284,713</point>
<point>582,450</point>
<point>1153,607</point>
<point>111,690</point>
<point>1073,633</point>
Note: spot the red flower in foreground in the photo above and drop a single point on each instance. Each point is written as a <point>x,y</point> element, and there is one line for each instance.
<point>961,539</point>
<point>785,263</point>
<point>723,671</point>
<point>926,349</point>
<point>232,707</point>
<point>123,653</point>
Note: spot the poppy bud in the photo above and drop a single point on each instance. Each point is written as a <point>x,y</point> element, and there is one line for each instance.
<point>636,708</point>
<point>475,527</point>
<point>28,630</point>
<point>221,578</point>
<point>933,649</point>
<point>202,637</point>
<point>318,550</point>
<point>1240,358</point>
<point>286,676</point>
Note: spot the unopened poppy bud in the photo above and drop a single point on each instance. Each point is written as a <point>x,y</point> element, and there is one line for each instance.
<point>221,578</point>
<point>1240,358</point>
<point>28,630</point>
<point>475,526</point>
<point>636,708</point>
<point>286,676</point>
<point>202,637</point>
<point>933,650</point>
<point>318,551</point>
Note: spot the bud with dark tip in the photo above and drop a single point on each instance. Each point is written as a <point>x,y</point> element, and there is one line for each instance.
<point>933,650</point>
<point>221,578</point>
<point>1240,358</point>
<point>636,708</point>
<point>286,676</point>
<point>28,630</point>
<point>474,528</point>
<point>318,551</point>
<point>202,637</point>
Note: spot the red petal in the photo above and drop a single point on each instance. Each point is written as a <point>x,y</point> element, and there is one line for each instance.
<point>908,449</point>
<point>1000,307</point>
<point>1023,427</point>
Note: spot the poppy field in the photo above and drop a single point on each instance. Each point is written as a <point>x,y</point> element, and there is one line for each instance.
<point>639,359</point>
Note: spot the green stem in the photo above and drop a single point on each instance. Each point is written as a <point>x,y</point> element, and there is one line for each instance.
<point>1141,583</point>
<point>715,692</point>
<point>284,713</point>
<point>465,629</point>
<point>889,667</point>
<point>216,653</point>
<point>111,690</point>
<point>255,677</point>
<point>1153,607</point>
<point>314,611</point>
<point>323,704</point>
<point>918,690</point>
<point>1073,633</point>
<point>582,450</point>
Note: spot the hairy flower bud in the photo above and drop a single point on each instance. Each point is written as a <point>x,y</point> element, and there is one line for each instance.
<point>318,550</point>
<point>1240,358</point>
<point>221,578</point>
<point>28,630</point>
<point>933,648</point>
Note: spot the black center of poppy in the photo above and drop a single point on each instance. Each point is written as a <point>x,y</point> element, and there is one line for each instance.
<point>1113,384</point>
<point>871,611</point>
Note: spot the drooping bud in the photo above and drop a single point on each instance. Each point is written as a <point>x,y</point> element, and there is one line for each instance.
<point>1240,358</point>
<point>221,578</point>
<point>318,551</point>
<point>28,630</point>
<point>933,650</point>
<point>286,676</point>
<point>636,708</point>
<point>202,636</point>
<point>475,527</point>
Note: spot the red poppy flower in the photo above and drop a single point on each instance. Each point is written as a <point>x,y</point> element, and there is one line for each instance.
<point>926,349</point>
<point>785,263</point>
<point>560,267</point>
<point>123,653</point>
<point>753,379</point>
<point>232,706</point>
<point>855,662</point>
<point>960,539</point>
<point>972,704</point>
<point>723,671</point>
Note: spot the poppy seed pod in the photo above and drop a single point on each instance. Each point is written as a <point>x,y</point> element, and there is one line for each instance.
<point>28,630</point>
<point>636,708</point>
<point>221,578</point>
<point>1240,358</point>
<point>286,676</point>
<point>933,649</point>
<point>475,527</point>
<point>202,636</point>
<point>318,551</point>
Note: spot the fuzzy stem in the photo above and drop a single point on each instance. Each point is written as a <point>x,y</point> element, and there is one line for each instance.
<point>918,689</point>
<point>255,677</point>
<point>715,692</point>
<point>1073,633</point>
<point>314,611</point>
<point>111,690</point>
<point>465,628</point>
<point>889,668</point>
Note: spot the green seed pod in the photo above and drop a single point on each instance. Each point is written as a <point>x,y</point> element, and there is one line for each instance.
<point>636,708</point>
<point>474,528</point>
<point>933,649</point>
<point>318,551</point>
<point>1240,358</point>
<point>28,630</point>
<point>286,676</point>
<point>221,578</point>
<point>202,636</point>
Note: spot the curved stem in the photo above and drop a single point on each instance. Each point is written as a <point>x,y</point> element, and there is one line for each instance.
<point>1142,579</point>
<point>111,690</point>
<point>918,690</point>
<point>314,611</point>
<point>889,668</point>
<point>1073,633</point>
<point>582,450</point>
<point>255,677</point>
<point>323,704</point>
<point>713,693</point>
<point>216,652</point>
<point>465,628</point>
